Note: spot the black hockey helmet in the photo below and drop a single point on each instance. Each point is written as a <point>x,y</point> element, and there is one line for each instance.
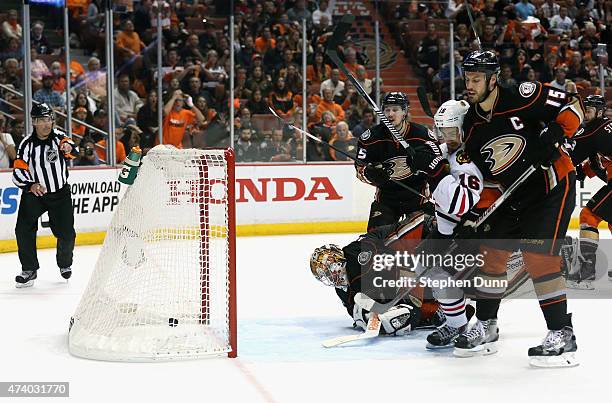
<point>396,98</point>
<point>41,110</point>
<point>595,101</point>
<point>481,61</point>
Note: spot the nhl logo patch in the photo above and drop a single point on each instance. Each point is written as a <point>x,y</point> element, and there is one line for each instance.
<point>366,135</point>
<point>364,257</point>
<point>527,89</point>
<point>51,155</point>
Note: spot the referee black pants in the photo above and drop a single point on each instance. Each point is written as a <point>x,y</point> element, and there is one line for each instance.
<point>61,221</point>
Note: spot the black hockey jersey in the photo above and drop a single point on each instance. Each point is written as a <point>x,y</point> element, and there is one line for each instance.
<point>504,146</point>
<point>377,145</point>
<point>594,143</point>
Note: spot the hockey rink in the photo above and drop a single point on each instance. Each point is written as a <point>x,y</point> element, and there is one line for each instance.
<point>283,315</point>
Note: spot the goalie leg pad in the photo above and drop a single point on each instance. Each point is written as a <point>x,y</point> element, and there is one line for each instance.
<point>397,320</point>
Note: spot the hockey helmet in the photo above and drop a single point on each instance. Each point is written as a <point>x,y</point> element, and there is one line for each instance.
<point>396,98</point>
<point>450,115</point>
<point>41,110</point>
<point>595,101</point>
<point>481,61</point>
<point>328,265</point>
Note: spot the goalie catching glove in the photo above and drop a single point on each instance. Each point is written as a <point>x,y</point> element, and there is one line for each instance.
<point>397,321</point>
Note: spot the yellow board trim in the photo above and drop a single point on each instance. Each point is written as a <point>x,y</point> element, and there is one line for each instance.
<point>97,238</point>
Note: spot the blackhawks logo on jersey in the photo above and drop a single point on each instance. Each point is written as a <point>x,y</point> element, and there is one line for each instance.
<point>501,152</point>
<point>463,157</point>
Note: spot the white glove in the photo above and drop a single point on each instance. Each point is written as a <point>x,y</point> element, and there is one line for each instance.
<point>360,317</point>
<point>396,321</point>
<point>189,102</point>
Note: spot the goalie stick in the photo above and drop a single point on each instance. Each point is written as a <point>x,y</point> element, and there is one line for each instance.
<point>372,331</point>
<point>315,138</point>
<point>371,305</point>
<point>332,51</point>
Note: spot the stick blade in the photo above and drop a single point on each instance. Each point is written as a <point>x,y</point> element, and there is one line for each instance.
<point>340,32</point>
<point>422,94</point>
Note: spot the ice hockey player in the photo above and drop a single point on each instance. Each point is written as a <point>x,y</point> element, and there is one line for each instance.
<point>503,136</point>
<point>456,194</point>
<point>351,269</point>
<point>592,155</point>
<point>382,158</point>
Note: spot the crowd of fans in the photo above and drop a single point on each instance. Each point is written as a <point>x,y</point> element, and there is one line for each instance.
<point>555,42</point>
<point>195,77</point>
<point>551,41</point>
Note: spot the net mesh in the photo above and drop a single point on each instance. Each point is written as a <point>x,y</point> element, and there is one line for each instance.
<point>160,288</point>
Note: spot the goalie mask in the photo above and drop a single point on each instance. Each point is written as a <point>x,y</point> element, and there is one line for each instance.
<point>448,122</point>
<point>328,265</point>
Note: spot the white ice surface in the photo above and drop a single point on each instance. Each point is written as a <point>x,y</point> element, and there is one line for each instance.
<point>284,314</point>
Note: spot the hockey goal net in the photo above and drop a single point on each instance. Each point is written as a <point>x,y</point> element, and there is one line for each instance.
<point>164,284</point>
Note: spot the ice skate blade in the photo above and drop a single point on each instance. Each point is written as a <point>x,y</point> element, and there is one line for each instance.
<point>483,349</point>
<point>432,347</point>
<point>24,285</point>
<point>580,285</point>
<point>565,360</point>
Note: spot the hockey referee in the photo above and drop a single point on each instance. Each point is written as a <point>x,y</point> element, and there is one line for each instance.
<point>41,172</point>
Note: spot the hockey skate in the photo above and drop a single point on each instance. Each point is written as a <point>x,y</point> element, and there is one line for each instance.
<point>444,336</point>
<point>25,279</point>
<point>610,274</point>
<point>556,351</point>
<point>479,340</point>
<point>66,272</point>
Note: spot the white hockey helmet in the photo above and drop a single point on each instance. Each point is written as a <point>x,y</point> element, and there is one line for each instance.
<point>450,114</point>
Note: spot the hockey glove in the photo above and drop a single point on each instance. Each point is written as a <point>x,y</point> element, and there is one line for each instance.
<point>376,174</point>
<point>551,137</point>
<point>428,159</point>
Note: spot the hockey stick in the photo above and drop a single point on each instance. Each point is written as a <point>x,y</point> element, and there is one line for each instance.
<point>469,11</point>
<point>422,94</point>
<point>332,51</point>
<point>315,138</point>
<point>372,331</point>
<point>371,305</point>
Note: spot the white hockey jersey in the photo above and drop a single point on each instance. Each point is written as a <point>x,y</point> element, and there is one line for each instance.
<point>458,192</point>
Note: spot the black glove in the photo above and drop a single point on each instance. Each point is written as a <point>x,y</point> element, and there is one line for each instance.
<point>580,175</point>
<point>551,138</point>
<point>421,157</point>
<point>376,174</point>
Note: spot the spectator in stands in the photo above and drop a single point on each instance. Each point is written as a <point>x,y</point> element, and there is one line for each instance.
<point>442,79</point>
<point>17,131</point>
<point>318,71</point>
<point>367,121</point>
<point>208,39</point>
<point>79,130</point>
<point>524,9</point>
<point>247,50</point>
<point>82,100</point>
<point>547,73</point>
<point>273,58</point>
<point>299,12</point>
<point>76,69</point>
<point>257,104</point>
<point>11,29</point>
<point>488,39</point>
<point>462,39</point>
<point>563,52</point>
<point>95,79</point>
<point>176,119</point>
<point>576,70</point>
<point>130,136</point>
<point>295,145</point>
<point>246,121</point>
<point>127,102</point>
<point>47,95</point>
<point>428,54</point>
<point>258,81</point>
<point>362,76</point>
<point>590,34</point>
<point>12,51</point>
<point>87,154</point>
<point>281,99</point>
<point>344,141</point>
<point>191,50</point>
<point>326,126</point>
<point>505,78</point>
<point>327,104</point>
<point>8,152</point>
<point>39,40</point>
<point>265,42</point>
<point>274,150</point>
<point>333,83</point>
<point>142,18</point>
<point>560,81</point>
<point>550,8</point>
<point>245,147</point>
<point>293,79</point>
<point>242,91</point>
<point>12,75</point>
<point>147,120</point>
<point>194,88</point>
<point>561,23</point>
<point>520,67</point>
<point>100,120</point>
<point>38,68</point>
<point>120,154</point>
<point>322,11</point>
<point>59,82</point>
<point>129,45</point>
<point>215,75</point>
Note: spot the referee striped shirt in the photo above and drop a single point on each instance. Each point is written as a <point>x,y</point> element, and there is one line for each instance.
<point>42,161</point>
